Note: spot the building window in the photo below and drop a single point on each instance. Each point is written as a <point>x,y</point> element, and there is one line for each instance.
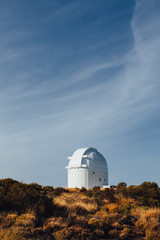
<point>100,179</point>
<point>93,172</point>
<point>104,180</point>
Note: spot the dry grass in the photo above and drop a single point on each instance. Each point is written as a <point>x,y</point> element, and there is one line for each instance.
<point>116,225</point>
<point>143,212</point>
<point>95,222</point>
<point>74,233</point>
<point>90,207</point>
<point>74,200</point>
<point>26,220</point>
<point>54,223</point>
<point>79,215</point>
<point>10,219</point>
<point>112,207</point>
<point>145,216</point>
<point>125,233</point>
<point>11,216</point>
<point>101,214</point>
<point>125,201</point>
<point>71,189</point>
<point>7,220</point>
<point>148,220</point>
<point>13,233</point>
<point>106,217</point>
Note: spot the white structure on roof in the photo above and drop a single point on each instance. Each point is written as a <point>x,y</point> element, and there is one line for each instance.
<point>87,168</point>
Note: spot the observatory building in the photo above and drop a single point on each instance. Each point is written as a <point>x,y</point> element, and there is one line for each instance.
<point>87,168</point>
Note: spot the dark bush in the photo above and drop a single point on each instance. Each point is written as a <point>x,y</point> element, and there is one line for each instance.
<point>121,185</point>
<point>58,191</point>
<point>16,196</point>
<point>83,189</point>
<point>147,194</point>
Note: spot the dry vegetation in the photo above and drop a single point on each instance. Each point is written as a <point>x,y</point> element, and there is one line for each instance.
<point>76,202</point>
<point>29,211</point>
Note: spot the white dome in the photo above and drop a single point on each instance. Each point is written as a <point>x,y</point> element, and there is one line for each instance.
<point>87,158</point>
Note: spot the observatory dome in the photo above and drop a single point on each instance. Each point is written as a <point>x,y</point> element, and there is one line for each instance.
<point>87,168</point>
<point>88,158</point>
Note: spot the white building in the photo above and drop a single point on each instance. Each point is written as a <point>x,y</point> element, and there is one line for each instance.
<point>87,168</point>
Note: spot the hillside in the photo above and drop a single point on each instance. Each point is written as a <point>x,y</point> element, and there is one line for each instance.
<point>30,211</point>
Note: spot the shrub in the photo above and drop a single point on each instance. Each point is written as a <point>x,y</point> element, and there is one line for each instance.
<point>109,194</point>
<point>124,209</point>
<point>95,223</point>
<point>20,197</point>
<point>26,220</point>
<point>152,234</point>
<point>121,185</point>
<point>148,221</point>
<point>30,211</point>
<point>83,189</point>
<point>76,203</point>
<point>74,233</point>
<point>12,216</point>
<point>112,207</point>
<point>59,190</point>
<point>12,234</point>
<point>113,233</point>
<point>54,224</point>
<point>147,194</point>
<point>10,219</point>
<point>125,233</point>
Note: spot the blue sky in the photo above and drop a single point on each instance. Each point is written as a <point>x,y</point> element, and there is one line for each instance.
<point>77,74</point>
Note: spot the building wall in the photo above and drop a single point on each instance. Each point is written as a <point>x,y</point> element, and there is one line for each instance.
<point>97,178</point>
<point>77,177</point>
<point>82,177</point>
